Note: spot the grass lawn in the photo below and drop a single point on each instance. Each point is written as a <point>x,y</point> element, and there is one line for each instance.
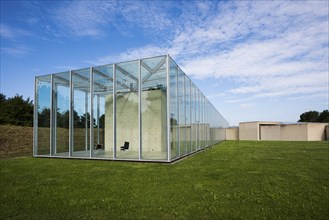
<point>233,180</point>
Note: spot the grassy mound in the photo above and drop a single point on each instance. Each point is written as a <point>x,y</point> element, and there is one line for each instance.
<point>15,141</point>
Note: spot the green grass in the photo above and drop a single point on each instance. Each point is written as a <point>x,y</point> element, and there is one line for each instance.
<point>233,180</point>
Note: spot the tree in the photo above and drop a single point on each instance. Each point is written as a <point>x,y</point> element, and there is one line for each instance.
<point>3,109</point>
<point>44,117</point>
<point>16,110</point>
<point>314,116</point>
<point>324,116</point>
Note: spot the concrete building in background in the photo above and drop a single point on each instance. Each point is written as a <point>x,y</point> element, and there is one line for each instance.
<point>251,130</point>
<point>232,133</point>
<point>259,130</point>
<point>140,110</point>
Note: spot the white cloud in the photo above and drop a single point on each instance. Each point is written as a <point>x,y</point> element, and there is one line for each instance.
<point>11,33</point>
<point>132,54</point>
<point>84,18</point>
<point>276,49</point>
<point>17,50</point>
<point>216,95</point>
<point>92,18</point>
<point>246,105</point>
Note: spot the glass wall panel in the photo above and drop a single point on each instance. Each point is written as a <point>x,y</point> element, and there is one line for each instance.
<point>43,101</point>
<point>217,126</point>
<point>202,123</point>
<point>188,113</point>
<point>61,113</point>
<point>197,117</point>
<point>103,111</point>
<point>127,118</point>
<point>81,113</point>
<point>182,125</point>
<point>174,138</point>
<point>193,120</point>
<point>153,108</point>
<point>207,122</point>
<point>212,125</point>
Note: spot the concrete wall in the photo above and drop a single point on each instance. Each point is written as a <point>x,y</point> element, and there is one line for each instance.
<point>248,131</point>
<point>232,133</point>
<point>316,131</point>
<point>153,121</point>
<point>286,132</point>
<point>270,132</point>
<point>327,132</point>
<point>251,130</point>
<point>294,132</point>
<point>217,134</point>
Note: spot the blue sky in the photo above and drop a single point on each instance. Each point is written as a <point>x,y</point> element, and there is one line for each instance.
<point>260,60</point>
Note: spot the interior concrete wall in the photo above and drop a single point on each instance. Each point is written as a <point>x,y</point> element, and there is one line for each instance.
<point>232,133</point>
<point>154,120</point>
<point>127,126</point>
<point>270,132</point>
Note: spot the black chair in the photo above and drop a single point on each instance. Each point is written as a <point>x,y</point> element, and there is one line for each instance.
<point>125,146</point>
<point>99,146</point>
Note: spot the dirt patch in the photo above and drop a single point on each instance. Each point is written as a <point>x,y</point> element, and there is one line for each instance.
<point>15,141</point>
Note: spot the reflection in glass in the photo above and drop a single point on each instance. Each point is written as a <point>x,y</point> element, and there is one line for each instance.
<point>43,107</point>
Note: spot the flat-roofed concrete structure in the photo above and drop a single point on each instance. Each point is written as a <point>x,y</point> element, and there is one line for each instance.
<point>251,130</point>
<point>260,130</point>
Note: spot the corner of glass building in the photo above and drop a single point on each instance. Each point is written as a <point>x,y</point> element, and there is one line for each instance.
<point>140,110</point>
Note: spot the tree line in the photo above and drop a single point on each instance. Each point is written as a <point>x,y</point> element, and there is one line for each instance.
<point>314,116</point>
<point>17,111</point>
<point>79,121</point>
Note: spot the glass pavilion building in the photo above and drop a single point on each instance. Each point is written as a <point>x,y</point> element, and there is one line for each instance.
<point>140,110</point>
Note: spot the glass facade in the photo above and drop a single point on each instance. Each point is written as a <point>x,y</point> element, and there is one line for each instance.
<point>141,110</point>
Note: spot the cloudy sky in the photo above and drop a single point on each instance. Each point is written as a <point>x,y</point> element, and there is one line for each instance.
<point>260,60</point>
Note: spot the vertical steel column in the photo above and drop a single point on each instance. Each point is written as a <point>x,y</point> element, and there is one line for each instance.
<point>199,118</point>
<point>185,113</point>
<point>91,145</point>
<point>140,108</point>
<point>114,112</point>
<point>97,119</point>
<point>86,121</point>
<point>203,122</point>
<point>207,121</point>
<point>71,117</point>
<point>168,108</point>
<point>177,109</point>
<point>51,119</point>
<point>191,116</point>
<point>35,118</point>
